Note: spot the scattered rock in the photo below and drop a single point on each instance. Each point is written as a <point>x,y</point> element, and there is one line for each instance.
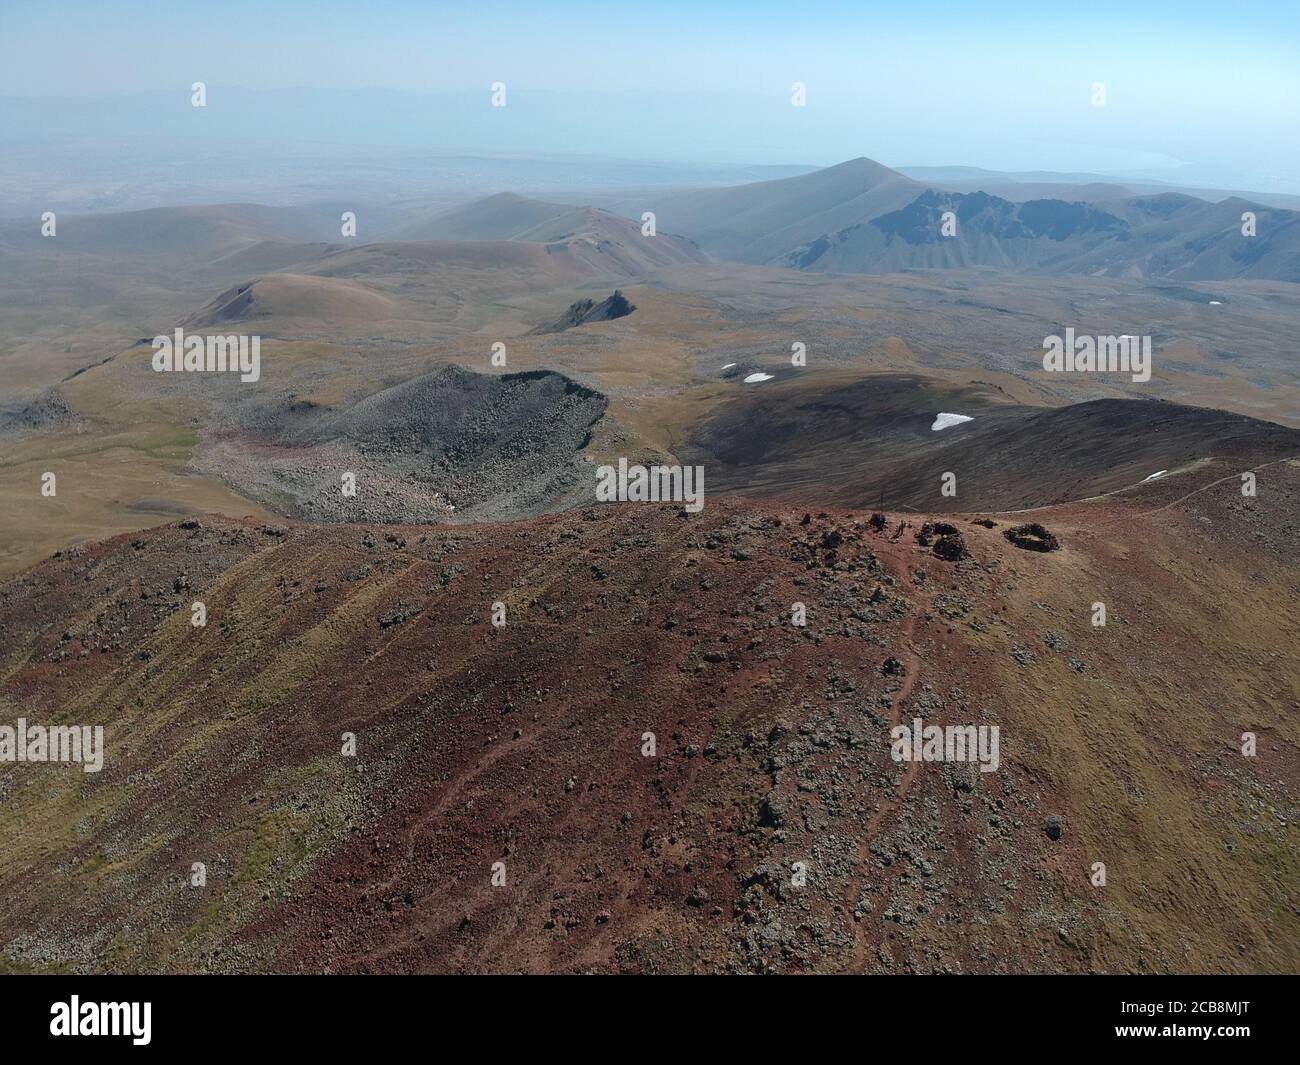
<point>1032,537</point>
<point>584,311</point>
<point>947,540</point>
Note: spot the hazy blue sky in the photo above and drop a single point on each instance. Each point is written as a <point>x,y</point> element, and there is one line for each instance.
<point>1004,85</point>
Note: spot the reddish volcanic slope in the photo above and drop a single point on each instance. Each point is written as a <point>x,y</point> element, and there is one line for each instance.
<point>769,830</point>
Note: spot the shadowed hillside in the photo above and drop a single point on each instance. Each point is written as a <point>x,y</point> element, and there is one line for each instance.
<point>866,440</point>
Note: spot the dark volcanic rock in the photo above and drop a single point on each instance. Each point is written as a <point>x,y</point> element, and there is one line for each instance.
<point>949,544</point>
<point>44,411</point>
<point>584,311</point>
<point>444,445</point>
<point>1032,537</point>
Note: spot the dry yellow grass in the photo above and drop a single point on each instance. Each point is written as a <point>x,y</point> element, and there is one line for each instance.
<point>104,485</point>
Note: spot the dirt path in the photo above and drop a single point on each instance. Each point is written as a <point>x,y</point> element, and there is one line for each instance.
<point>912,669</point>
<point>1212,484</point>
<point>1128,488</point>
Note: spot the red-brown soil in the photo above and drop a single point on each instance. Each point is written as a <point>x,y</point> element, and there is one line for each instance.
<point>523,744</point>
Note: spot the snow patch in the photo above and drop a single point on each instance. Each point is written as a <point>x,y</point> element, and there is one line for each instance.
<point>754,378</point>
<point>945,421</point>
<point>1153,476</point>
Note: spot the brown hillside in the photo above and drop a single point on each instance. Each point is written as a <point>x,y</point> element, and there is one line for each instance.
<point>522,744</point>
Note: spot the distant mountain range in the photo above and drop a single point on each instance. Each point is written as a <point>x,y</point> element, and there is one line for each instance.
<point>854,218</point>
<point>861,217</point>
<point>1169,235</point>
